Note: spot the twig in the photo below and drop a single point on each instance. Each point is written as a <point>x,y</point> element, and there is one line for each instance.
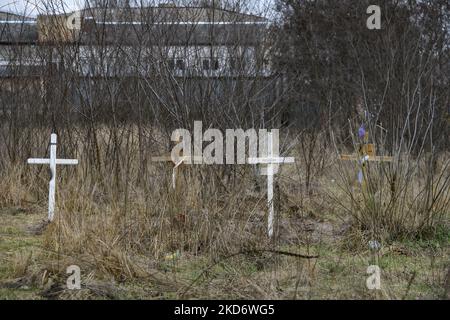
<point>247,252</point>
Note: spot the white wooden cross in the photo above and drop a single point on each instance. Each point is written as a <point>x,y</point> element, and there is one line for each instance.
<point>272,161</point>
<point>53,161</point>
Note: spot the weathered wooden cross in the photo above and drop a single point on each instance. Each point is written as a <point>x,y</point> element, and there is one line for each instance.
<point>176,165</point>
<point>272,162</point>
<point>366,154</point>
<point>53,161</point>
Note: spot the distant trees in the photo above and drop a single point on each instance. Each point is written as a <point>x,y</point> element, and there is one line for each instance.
<point>335,67</point>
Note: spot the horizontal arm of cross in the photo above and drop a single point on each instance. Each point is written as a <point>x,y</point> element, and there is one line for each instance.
<point>270,160</point>
<point>372,159</point>
<point>181,159</point>
<point>70,162</point>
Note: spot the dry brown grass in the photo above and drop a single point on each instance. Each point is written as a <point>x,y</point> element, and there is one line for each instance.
<point>119,224</point>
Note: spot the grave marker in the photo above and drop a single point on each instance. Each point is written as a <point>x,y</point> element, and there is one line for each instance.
<point>366,154</point>
<point>52,161</point>
<point>176,165</point>
<point>271,161</point>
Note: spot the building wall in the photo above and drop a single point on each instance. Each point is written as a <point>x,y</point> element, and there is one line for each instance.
<point>182,61</point>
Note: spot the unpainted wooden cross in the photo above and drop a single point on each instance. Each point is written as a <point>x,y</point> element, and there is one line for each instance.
<point>176,164</point>
<point>366,154</point>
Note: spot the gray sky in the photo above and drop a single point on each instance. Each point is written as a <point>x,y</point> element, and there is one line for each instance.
<point>34,7</point>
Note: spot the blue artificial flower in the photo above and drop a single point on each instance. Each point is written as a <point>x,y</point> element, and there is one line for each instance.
<point>362,132</point>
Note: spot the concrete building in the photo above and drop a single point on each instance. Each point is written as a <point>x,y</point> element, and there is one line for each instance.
<point>95,48</point>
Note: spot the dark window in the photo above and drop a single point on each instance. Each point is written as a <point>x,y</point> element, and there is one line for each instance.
<point>176,64</point>
<point>210,64</point>
<point>215,64</point>
<point>180,64</point>
<point>171,64</point>
<point>206,64</point>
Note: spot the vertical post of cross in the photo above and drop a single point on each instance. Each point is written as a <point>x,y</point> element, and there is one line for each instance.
<point>52,183</point>
<point>175,169</point>
<point>270,177</point>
